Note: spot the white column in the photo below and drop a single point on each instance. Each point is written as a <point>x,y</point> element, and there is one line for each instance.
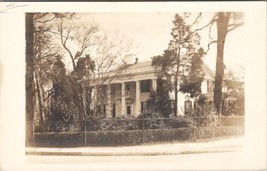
<point>108,104</point>
<point>123,101</point>
<point>154,84</point>
<point>137,99</point>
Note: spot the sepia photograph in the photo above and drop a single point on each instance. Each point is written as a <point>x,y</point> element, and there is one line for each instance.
<point>135,90</point>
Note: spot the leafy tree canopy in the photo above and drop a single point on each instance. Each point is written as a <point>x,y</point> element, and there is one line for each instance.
<point>191,83</point>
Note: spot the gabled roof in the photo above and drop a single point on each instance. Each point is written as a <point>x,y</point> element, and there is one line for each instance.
<point>209,74</point>
<point>146,66</point>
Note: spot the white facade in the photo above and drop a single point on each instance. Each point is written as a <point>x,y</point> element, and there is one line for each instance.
<point>130,87</point>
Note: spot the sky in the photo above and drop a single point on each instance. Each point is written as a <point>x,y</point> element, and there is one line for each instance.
<point>150,32</point>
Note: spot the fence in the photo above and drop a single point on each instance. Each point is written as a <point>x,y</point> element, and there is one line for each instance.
<point>131,131</point>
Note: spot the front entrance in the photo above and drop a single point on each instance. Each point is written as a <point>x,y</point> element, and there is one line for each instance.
<point>129,110</point>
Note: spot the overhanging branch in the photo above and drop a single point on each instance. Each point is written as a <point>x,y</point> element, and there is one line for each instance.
<point>234,26</point>
<point>213,20</point>
<point>196,20</point>
<point>210,43</point>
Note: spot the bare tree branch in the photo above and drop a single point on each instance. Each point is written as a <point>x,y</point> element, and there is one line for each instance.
<point>213,20</point>
<point>210,43</point>
<point>85,42</point>
<point>210,32</point>
<point>235,26</point>
<point>64,41</point>
<point>196,20</point>
<point>46,21</point>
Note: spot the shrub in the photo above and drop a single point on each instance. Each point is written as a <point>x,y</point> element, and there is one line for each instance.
<point>59,126</point>
<point>179,122</point>
<point>159,102</point>
<point>54,139</point>
<point>204,114</point>
<point>208,121</point>
<point>151,119</point>
<point>134,137</point>
<point>109,124</point>
<point>111,138</point>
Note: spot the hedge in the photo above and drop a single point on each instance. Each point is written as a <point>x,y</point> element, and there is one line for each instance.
<point>133,137</point>
<point>62,139</point>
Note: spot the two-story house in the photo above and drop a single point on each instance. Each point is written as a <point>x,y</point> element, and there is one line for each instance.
<point>129,87</point>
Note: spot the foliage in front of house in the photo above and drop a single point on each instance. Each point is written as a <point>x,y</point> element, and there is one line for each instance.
<point>134,137</point>
<point>159,104</point>
<point>235,95</point>
<point>191,83</point>
<point>97,124</point>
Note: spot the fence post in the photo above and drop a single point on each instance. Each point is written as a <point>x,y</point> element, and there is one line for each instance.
<point>85,136</point>
<point>143,128</point>
<point>33,136</point>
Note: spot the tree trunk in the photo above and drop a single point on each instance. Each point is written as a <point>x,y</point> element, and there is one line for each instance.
<point>40,101</point>
<point>177,51</point>
<point>175,96</point>
<point>222,26</point>
<point>29,78</point>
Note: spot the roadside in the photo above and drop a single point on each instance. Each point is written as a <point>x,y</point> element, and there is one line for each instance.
<point>226,144</point>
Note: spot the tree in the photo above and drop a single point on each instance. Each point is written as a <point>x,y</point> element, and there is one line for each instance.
<point>192,82</point>
<point>223,28</point>
<point>46,51</point>
<point>160,101</point>
<point>174,61</point>
<point>29,77</point>
<point>105,54</point>
<point>59,38</point>
<point>61,94</point>
<point>53,34</point>
<point>83,75</point>
<point>234,98</point>
<point>73,35</point>
<point>225,22</point>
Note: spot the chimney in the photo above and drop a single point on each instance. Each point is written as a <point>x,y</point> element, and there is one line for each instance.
<point>136,60</point>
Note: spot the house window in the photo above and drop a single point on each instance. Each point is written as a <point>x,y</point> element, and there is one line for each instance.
<point>145,86</point>
<point>114,110</point>
<point>113,91</point>
<point>127,90</point>
<point>127,87</point>
<point>142,106</point>
<point>129,110</point>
